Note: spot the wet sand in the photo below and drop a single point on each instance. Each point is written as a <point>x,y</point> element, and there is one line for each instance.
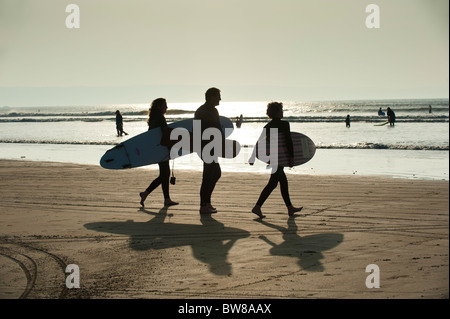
<point>54,215</point>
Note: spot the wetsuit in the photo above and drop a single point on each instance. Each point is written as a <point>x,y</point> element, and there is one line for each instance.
<point>209,117</point>
<point>279,175</point>
<point>391,117</point>
<point>164,167</point>
<point>119,124</point>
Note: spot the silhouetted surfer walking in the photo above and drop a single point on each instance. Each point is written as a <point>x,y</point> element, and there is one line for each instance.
<point>156,119</point>
<point>275,113</point>
<point>209,117</point>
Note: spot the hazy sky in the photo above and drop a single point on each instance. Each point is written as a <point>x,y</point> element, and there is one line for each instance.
<point>136,50</point>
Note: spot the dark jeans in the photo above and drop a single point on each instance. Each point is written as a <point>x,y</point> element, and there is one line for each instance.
<point>278,176</point>
<point>211,174</point>
<point>162,179</point>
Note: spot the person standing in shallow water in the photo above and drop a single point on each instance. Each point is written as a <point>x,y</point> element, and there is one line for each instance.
<point>156,119</point>
<point>391,116</point>
<point>275,113</point>
<point>119,124</point>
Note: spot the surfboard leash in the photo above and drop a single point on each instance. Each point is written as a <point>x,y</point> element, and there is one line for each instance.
<point>173,178</point>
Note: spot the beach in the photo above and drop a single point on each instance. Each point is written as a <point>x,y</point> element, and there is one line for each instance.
<point>59,214</point>
<point>365,85</point>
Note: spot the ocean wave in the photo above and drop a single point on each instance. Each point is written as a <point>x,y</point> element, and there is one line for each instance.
<point>172,118</point>
<point>367,119</point>
<point>58,142</point>
<point>380,146</point>
<point>102,114</point>
<point>51,120</point>
<point>358,109</point>
<point>377,146</point>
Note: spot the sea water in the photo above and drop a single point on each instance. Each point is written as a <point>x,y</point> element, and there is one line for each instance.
<point>416,147</point>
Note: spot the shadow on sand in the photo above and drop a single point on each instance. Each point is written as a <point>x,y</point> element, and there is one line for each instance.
<point>307,249</point>
<point>211,241</point>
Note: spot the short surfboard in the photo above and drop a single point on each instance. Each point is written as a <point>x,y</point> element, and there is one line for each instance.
<point>304,150</point>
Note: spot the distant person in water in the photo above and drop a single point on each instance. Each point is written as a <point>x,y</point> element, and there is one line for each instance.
<point>391,116</point>
<point>119,124</point>
<point>381,113</point>
<point>239,121</point>
<point>429,109</point>
<point>275,113</point>
<point>156,119</point>
<point>347,121</point>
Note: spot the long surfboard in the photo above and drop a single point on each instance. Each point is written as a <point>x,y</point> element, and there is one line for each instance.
<point>145,148</point>
<point>304,150</point>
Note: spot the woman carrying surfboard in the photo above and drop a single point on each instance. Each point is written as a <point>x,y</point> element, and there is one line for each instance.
<point>275,113</point>
<point>156,119</point>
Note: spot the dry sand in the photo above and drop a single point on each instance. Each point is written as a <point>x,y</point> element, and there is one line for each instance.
<point>53,215</point>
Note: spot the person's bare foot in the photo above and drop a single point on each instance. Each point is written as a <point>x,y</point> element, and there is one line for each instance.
<point>169,202</point>
<point>257,211</point>
<point>143,197</point>
<point>207,209</point>
<point>292,210</point>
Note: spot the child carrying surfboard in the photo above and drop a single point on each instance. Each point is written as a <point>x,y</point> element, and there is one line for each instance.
<point>275,113</point>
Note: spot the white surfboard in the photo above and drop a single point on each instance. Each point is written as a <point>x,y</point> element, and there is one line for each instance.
<point>381,124</point>
<point>304,150</point>
<point>145,148</point>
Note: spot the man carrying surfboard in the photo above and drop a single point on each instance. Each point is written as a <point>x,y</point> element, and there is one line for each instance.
<point>209,117</point>
<point>275,113</point>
